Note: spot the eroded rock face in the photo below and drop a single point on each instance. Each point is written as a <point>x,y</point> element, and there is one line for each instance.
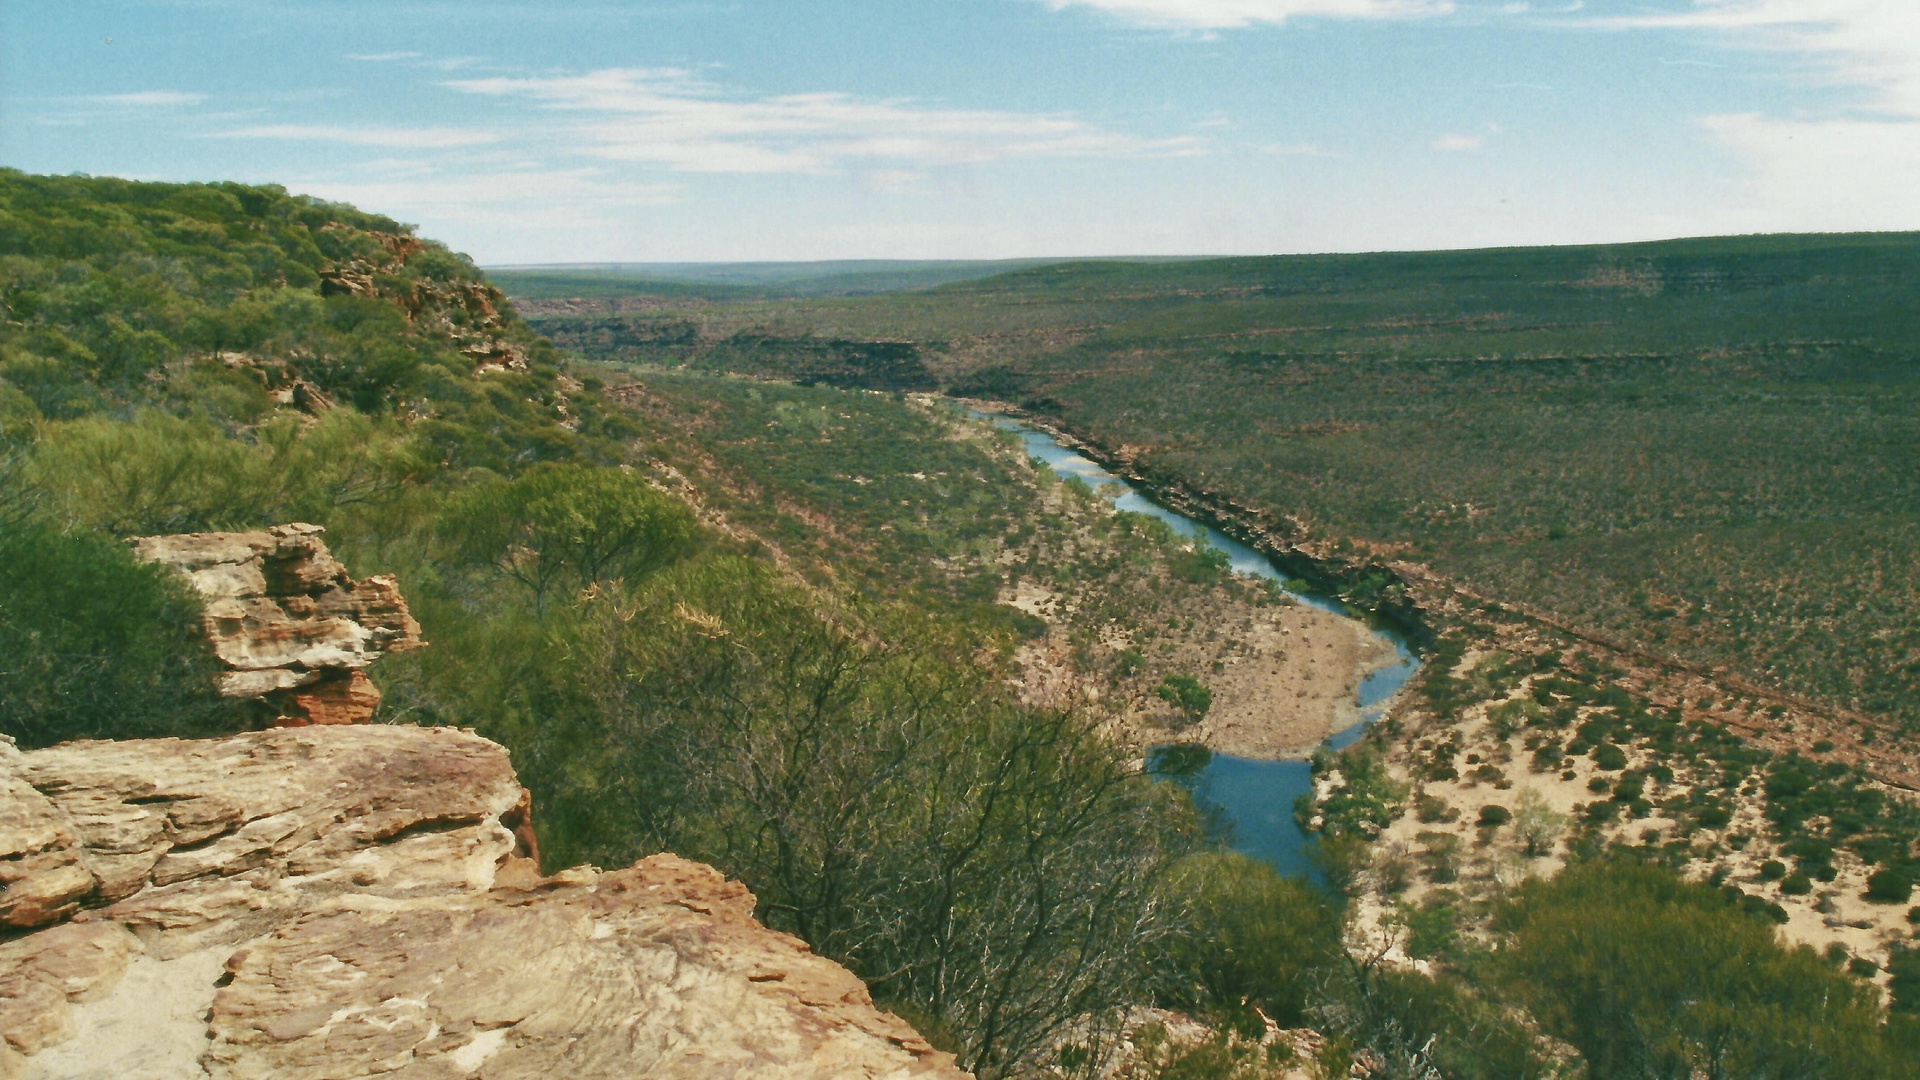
<point>328,902</point>
<point>291,627</point>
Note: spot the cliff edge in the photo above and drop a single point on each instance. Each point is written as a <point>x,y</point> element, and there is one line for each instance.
<point>328,902</point>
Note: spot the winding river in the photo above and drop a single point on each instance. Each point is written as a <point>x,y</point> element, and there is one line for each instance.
<point>1252,799</point>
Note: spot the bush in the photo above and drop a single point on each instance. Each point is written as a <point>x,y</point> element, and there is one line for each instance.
<point>1432,808</point>
<point>95,645</point>
<point>1649,975</point>
<point>1248,935</point>
<point>1609,757</point>
<point>1184,692</point>
<point>1772,870</point>
<point>569,524</point>
<point>1889,887</point>
<point>1493,815</point>
<point>1797,884</point>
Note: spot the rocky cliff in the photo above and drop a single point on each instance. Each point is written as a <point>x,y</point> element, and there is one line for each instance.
<point>323,902</point>
<point>294,631</point>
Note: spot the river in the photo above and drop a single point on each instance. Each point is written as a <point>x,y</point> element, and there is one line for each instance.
<point>1252,799</point>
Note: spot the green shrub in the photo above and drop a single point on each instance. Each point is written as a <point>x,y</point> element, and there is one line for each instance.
<point>569,525</point>
<point>1250,935</point>
<point>1772,870</point>
<point>1493,815</point>
<point>1889,887</point>
<point>1649,975</point>
<point>1609,757</point>
<point>1796,884</point>
<point>94,645</point>
<point>1186,693</point>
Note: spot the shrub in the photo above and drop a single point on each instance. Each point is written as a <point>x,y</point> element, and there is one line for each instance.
<point>1797,884</point>
<point>1431,808</point>
<point>1184,692</point>
<point>94,645</point>
<point>1772,870</point>
<point>1248,935</point>
<point>1889,887</point>
<point>1609,757</point>
<point>1537,824</point>
<point>1649,975</point>
<point>1493,815</point>
<point>569,524</point>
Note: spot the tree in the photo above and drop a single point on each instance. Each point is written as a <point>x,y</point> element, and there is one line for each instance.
<point>1651,977</point>
<point>1889,887</point>
<point>992,871</point>
<point>1537,824</point>
<point>95,645</point>
<point>569,523</point>
<point>1184,692</point>
<point>1249,936</point>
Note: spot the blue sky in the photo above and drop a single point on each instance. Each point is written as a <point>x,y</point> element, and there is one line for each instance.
<point>691,130</point>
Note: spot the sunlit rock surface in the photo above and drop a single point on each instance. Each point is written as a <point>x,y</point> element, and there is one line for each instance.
<point>325,902</point>
<point>292,629</point>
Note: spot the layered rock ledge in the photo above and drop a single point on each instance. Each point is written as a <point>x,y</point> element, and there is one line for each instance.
<point>293,630</point>
<point>329,902</point>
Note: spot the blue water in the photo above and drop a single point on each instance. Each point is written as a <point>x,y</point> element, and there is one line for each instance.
<point>1252,799</point>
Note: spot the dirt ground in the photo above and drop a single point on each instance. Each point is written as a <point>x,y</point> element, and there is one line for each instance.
<point>1282,681</point>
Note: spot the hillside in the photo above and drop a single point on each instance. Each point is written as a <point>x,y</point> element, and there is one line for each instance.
<point>1702,448</point>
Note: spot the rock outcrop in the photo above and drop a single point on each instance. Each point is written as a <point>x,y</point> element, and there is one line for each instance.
<point>467,312</point>
<point>293,630</point>
<point>350,901</point>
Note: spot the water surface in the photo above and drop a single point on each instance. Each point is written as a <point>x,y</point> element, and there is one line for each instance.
<point>1251,799</point>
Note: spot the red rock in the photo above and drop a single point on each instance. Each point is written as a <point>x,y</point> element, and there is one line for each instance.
<point>292,628</point>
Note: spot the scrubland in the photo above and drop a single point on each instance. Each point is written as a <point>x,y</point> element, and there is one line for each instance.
<point>858,652</point>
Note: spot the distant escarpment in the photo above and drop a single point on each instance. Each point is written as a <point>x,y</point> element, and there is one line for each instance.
<point>348,901</point>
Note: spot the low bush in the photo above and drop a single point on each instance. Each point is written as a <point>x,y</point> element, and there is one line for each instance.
<point>1889,887</point>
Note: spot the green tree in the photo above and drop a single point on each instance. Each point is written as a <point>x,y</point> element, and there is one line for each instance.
<point>1248,937</point>
<point>1186,693</point>
<point>569,523</point>
<point>1651,977</point>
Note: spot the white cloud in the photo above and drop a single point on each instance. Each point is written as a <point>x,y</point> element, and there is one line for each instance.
<point>565,199</point>
<point>1459,143</point>
<point>1873,44</point>
<point>1226,14</point>
<point>1846,166</point>
<point>383,57</point>
<point>1299,150</point>
<point>1835,175</point>
<point>399,138</point>
<point>150,98</point>
<point>665,117</point>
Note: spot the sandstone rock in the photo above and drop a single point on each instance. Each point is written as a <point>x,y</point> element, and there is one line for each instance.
<point>292,628</point>
<point>328,902</point>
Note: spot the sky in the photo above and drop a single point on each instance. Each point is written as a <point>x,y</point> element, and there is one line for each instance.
<point>689,130</point>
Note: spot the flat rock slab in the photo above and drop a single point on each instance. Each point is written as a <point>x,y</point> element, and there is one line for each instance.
<point>347,902</point>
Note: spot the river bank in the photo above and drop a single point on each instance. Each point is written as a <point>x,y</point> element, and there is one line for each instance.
<point>1421,604</point>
